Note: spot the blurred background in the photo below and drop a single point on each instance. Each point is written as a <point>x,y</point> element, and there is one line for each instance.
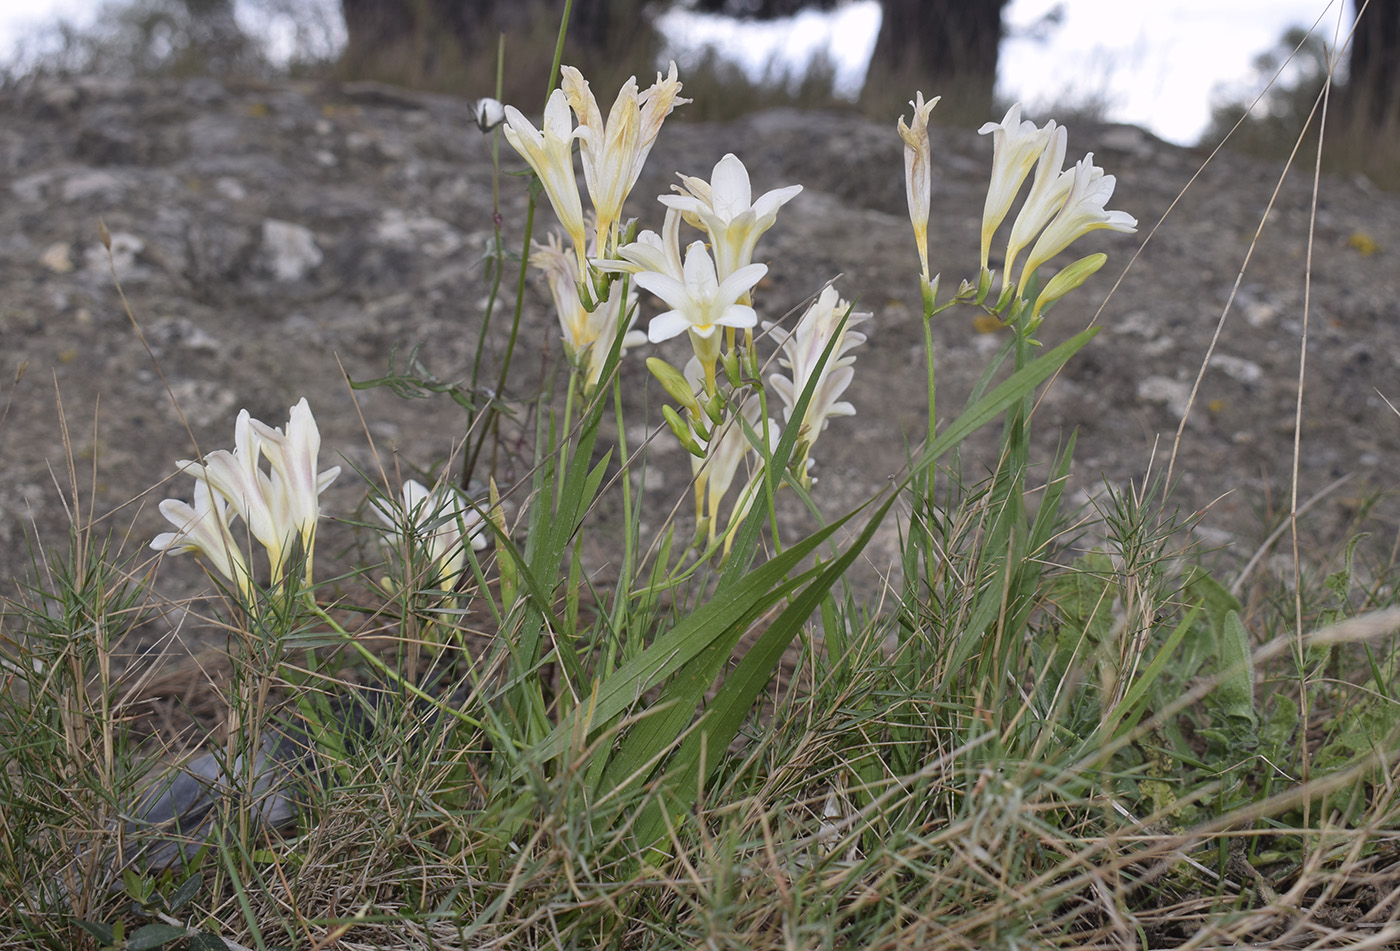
<point>1187,70</point>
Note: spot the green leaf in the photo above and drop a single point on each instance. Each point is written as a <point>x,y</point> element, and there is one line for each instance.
<point>734,607</point>
<point>1134,701</point>
<point>185,893</point>
<point>739,691</point>
<point>1276,735</point>
<point>1236,691</point>
<point>104,933</point>
<point>207,942</point>
<point>137,887</point>
<point>153,936</point>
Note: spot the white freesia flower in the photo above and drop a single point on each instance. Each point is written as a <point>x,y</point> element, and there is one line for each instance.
<point>293,459</point>
<point>587,336</point>
<point>550,154</point>
<point>800,350</point>
<point>1047,196</point>
<point>918,172</point>
<point>439,521</point>
<point>723,208</point>
<point>261,502</point>
<point>701,303</point>
<point>204,529</point>
<point>651,251</point>
<point>1082,212</point>
<point>1016,147</point>
<point>613,153</point>
<point>278,505</point>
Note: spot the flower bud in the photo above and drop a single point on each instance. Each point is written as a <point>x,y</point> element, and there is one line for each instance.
<point>714,408</point>
<point>1066,281</point>
<point>674,383</point>
<point>731,369</point>
<point>682,432</point>
<point>1007,291</point>
<point>984,285</point>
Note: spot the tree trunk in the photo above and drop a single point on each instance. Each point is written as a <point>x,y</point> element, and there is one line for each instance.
<point>943,48</point>
<point>443,42</point>
<point>1373,91</point>
<point>216,40</point>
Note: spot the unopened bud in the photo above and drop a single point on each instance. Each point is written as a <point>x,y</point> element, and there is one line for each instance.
<point>730,362</point>
<point>714,408</point>
<point>1067,280</point>
<point>984,285</point>
<point>682,432</point>
<point>1007,291</point>
<point>674,383</point>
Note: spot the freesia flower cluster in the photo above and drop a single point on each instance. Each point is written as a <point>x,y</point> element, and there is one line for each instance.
<point>440,523</point>
<point>1062,206</point>
<point>706,286</point>
<point>612,153</point>
<point>272,482</point>
<point>278,504</point>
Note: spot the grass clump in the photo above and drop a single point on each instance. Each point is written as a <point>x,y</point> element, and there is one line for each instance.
<point>462,741</point>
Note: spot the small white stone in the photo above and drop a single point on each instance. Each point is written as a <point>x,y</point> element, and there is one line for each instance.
<point>125,247</point>
<point>88,184</point>
<point>290,249</point>
<point>1246,371</point>
<point>201,402</point>
<point>58,257</point>
<point>1174,394</point>
<point>433,236</point>
<point>230,188</point>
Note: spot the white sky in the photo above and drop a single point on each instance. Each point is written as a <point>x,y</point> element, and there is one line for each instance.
<point>1153,62</point>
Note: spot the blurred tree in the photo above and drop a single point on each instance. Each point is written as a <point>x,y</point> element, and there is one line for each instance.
<point>1373,89</point>
<point>946,48</point>
<point>424,41</point>
<point>215,38</point>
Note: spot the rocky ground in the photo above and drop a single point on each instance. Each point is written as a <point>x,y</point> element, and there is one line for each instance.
<point>273,239</point>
